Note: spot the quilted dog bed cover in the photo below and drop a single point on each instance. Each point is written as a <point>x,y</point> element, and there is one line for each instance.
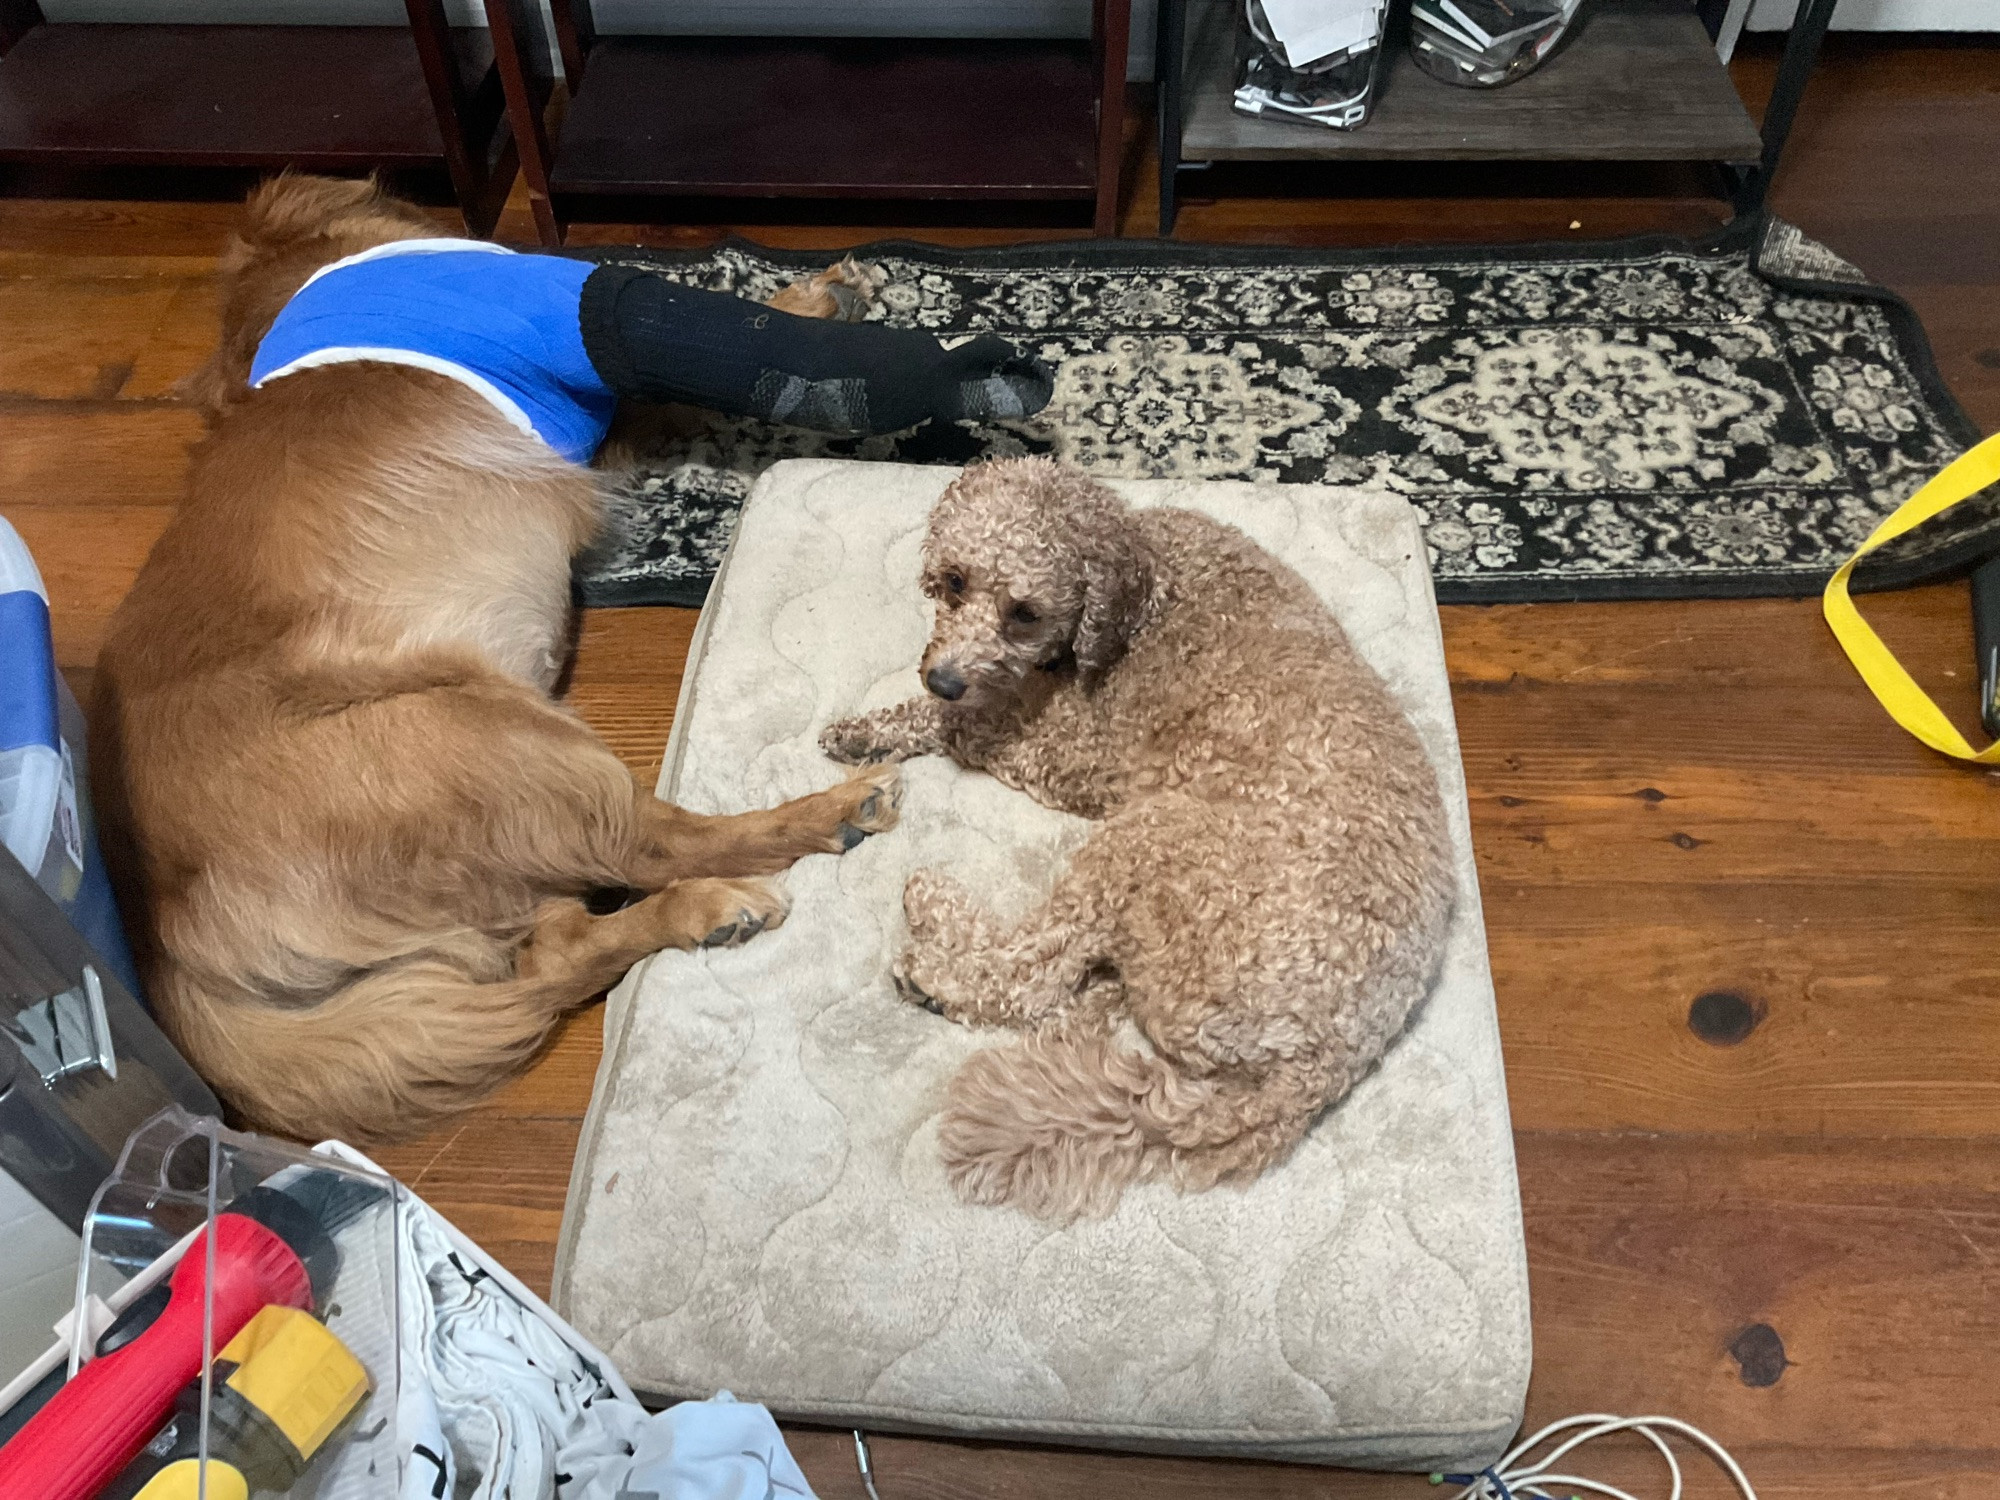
<point>758,1204</point>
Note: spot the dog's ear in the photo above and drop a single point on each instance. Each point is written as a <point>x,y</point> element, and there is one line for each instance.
<point>295,206</point>
<point>1117,577</point>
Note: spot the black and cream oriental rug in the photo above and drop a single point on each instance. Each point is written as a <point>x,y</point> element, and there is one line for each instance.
<point>1649,418</point>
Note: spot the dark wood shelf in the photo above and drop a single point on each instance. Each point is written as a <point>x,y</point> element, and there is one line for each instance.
<point>813,117</point>
<point>1638,80</point>
<point>832,118</point>
<point>330,98</point>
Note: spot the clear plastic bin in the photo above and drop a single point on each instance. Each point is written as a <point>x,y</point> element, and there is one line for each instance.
<point>1483,44</point>
<point>248,1343</point>
<point>1318,61</point>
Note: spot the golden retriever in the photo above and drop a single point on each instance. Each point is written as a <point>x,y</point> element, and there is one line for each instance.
<point>351,828</point>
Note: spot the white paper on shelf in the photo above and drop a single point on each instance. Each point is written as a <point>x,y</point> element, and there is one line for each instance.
<point>1443,25</point>
<point>1311,29</point>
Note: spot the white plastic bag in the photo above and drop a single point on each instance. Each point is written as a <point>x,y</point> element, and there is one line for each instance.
<point>500,1399</point>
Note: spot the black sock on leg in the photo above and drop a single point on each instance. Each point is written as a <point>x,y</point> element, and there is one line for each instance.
<point>656,340</point>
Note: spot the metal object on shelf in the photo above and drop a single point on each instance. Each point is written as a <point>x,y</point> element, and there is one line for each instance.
<point>81,1063</point>
<point>1639,82</point>
<point>67,1034</point>
<point>1730,30</point>
<point>1484,44</point>
<point>1287,74</point>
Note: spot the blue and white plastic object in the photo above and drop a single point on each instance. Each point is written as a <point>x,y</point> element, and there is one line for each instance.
<point>45,818</point>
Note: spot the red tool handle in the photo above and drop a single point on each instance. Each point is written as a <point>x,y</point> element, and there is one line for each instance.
<point>98,1422</point>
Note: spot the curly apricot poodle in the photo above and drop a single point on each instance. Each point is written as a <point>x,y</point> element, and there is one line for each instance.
<point>1266,895</point>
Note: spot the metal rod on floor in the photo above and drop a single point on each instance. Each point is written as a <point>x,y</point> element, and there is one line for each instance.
<point>863,1462</point>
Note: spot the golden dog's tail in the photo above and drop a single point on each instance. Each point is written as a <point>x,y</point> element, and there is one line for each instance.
<point>381,1058</point>
<point>1060,1126</point>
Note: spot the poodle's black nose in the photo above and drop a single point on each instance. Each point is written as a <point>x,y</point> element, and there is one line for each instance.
<point>946,683</point>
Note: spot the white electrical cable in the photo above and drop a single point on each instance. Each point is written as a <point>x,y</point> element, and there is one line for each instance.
<point>865,1463</point>
<point>1514,1478</point>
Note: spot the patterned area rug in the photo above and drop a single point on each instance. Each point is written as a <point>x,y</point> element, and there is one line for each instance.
<point>1647,418</point>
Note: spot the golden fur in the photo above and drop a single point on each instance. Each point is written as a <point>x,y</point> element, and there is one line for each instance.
<point>351,827</point>
<point>1266,897</point>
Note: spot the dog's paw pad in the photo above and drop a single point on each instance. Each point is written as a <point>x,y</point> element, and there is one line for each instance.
<point>746,925</point>
<point>879,809</point>
<point>849,836</point>
<point>850,305</point>
<point>864,277</point>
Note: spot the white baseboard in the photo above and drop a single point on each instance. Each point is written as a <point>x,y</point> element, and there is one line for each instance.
<point>994,18</point>
<point>974,18</point>
<point>1888,15</point>
<point>257,12</point>
<point>1001,18</point>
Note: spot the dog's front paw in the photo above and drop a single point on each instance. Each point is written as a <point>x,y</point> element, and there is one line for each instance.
<point>875,801</point>
<point>855,742</point>
<point>854,286</point>
<point>843,293</point>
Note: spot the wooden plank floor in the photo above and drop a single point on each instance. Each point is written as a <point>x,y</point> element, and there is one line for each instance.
<point>1673,803</point>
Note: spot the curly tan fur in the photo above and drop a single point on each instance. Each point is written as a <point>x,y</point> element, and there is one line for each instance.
<point>351,827</point>
<point>1267,895</point>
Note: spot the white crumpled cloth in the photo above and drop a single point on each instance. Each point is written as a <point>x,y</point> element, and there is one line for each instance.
<point>495,1403</point>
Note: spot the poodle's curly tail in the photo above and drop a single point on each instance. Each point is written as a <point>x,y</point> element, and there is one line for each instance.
<point>1060,1126</point>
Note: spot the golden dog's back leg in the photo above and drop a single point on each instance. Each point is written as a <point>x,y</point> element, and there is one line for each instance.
<point>422,958</point>
<point>503,793</point>
<point>572,949</point>
<point>414,1041</point>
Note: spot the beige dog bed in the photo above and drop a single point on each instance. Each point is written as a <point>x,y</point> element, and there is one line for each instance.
<point>758,1203</point>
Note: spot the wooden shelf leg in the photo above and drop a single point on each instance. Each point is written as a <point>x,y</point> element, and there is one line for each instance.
<point>576,34</point>
<point>1111,30</point>
<point>479,177</point>
<point>527,89</point>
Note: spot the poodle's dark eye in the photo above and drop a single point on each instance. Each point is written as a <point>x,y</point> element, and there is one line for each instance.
<point>955,582</point>
<point>1022,614</point>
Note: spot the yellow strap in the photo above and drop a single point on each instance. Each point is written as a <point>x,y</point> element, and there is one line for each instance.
<point>1894,688</point>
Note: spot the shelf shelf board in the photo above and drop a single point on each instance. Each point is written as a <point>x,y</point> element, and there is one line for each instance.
<point>322,97</point>
<point>832,118</point>
<point>1638,80</point>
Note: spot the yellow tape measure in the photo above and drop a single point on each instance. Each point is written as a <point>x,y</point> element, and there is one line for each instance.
<point>1896,690</point>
